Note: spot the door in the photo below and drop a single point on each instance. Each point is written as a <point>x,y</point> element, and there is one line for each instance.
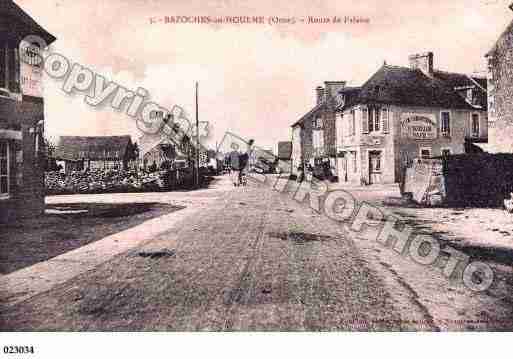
<point>342,169</point>
<point>375,167</point>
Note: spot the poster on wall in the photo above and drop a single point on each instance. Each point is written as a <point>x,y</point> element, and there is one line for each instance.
<point>31,73</point>
<point>418,127</point>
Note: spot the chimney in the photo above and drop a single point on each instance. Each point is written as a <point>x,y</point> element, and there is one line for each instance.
<point>422,62</point>
<point>333,87</point>
<point>319,90</point>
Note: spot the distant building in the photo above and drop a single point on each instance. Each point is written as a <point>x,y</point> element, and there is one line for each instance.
<point>77,153</point>
<point>170,145</point>
<point>160,155</point>
<point>400,113</point>
<point>314,134</point>
<point>500,92</point>
<point>21,115</point>
<point>285,155</point>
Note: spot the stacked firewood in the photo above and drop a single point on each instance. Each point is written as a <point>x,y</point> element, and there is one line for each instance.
<point>99,181</point>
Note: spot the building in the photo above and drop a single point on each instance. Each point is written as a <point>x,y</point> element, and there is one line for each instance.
<point>77,153</point>
<point>169,146</point>
<point>284,155</point>
<point>402,113</point>
<point>314,134</point>
<point>159,154</point>
<point>21,116</point>
<point>399,114</point>
<point>500,92</point>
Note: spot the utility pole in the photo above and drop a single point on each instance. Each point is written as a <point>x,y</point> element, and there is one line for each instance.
<point>197,139</point>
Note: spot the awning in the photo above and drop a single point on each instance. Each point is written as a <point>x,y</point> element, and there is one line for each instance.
<point>10,135</point>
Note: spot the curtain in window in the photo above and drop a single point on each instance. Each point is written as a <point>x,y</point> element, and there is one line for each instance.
<point>365,120</point>
<point>384,118</point>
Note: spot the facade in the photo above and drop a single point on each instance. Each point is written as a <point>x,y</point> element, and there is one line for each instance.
<point>369,133</point>
<point>21,116</point>
<point>402,113</point>
<point>284,155</point>
<point>500,92</point>
<point>158,155</point>
<point>77,153</point>
<point>159,148</point>
<point>296,159</point>
<point>314,134</point>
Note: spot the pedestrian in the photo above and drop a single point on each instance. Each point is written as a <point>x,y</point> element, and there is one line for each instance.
<point>234,163</point>
<point>300,173</point>
<point>309,173</point>
<point>244,162</point>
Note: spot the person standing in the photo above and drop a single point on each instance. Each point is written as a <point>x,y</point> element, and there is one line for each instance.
<point>234,163</point>
<point>244,161</point>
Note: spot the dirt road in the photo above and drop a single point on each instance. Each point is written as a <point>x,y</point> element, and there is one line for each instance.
<point>250,261</point>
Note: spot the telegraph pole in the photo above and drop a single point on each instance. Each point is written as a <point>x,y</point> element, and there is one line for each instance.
<point>197,140</point>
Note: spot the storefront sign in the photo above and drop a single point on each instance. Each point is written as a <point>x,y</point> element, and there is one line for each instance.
<point>418,128</point>
<point>31,72</point>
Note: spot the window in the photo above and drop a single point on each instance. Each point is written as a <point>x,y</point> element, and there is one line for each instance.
<point>377,119</point>
<point>4,169</point>
<point>318,141</point>
<point>445,152</point>
<point>384,118</point>
<point>9,68</point>
<point>475,125</point>
<point>374,118</point>
<point>355,162</point>
<point>340,129</point>
<point>365,120</point>
<point>445,123</point>
<point>317,123</point>
<point>352,123</point>
<point>370,118</point>
<point>425,152</point>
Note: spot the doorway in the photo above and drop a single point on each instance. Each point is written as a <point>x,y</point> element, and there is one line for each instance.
<point>375,167</point>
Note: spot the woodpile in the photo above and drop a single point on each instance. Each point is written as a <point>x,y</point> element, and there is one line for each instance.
<point>109,181</point>
<point>102,181</point>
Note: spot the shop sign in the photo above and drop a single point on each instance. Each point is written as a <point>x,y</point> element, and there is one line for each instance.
<point>31,72</point>
<point>418,128</point>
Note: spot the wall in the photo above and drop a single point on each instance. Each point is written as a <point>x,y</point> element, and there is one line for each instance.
<point>296,149</point>
<point>395,148</point>
<point>26,172</point>
<point>500,82</point>
<point>405,148</point>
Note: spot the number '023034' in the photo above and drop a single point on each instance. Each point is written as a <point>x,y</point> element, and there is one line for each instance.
<point>18,349</point>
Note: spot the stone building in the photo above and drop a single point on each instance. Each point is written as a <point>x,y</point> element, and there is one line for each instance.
<point>368,133</point>
<point>77,153</point>
<point>402,113</point>
<point>284,155</point>
<point>500,92</point>
<point>314,134</point>
<point>21,115</point>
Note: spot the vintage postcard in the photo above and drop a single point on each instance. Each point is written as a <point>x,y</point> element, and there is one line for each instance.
<point>249,166</point>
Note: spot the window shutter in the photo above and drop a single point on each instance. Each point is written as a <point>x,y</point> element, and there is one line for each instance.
<point>365,120</point>
<point>16,71</point>
<point>385,120</point>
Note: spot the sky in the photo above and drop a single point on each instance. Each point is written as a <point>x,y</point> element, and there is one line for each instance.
<point>255,80</point>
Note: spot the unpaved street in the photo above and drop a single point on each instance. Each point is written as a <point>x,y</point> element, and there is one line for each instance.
<point>251,259</point>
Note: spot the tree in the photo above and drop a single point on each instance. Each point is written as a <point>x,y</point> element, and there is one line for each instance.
<point>48,160</point>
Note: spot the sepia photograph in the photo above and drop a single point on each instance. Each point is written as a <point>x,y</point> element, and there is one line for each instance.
<point>255,171</point>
